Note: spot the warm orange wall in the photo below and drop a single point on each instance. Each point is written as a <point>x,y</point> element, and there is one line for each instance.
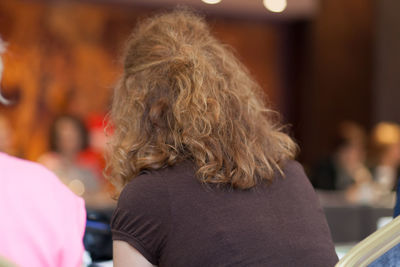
<point>64,57</point>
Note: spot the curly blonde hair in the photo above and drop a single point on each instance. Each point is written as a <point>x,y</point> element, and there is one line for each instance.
<point>185,96</point>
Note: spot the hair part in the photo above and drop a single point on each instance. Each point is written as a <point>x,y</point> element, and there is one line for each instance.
<point>185,96</point>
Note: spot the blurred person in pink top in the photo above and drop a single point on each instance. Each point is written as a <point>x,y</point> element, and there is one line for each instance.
<point>42,222</point>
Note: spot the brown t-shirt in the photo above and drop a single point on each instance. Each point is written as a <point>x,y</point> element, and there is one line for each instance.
<point>174,220</point>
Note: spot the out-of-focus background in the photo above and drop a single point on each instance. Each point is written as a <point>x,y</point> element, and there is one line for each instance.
<point>329,66</point>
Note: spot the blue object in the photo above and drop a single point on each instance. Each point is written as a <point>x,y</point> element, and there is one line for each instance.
<point>397,207</point>
<point>390,259</point>
<point>98,225</point>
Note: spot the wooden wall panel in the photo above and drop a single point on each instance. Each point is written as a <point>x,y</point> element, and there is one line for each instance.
<point>337,84</point>
<point>387,62</point>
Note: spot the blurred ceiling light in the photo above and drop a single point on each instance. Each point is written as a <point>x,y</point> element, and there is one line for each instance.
<point>275,5</point>
<point>211,2</point>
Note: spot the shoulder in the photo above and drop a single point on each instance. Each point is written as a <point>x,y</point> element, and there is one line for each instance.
<point>295,176</point>
<point>292,168</point>
<point>25,175</point>
<point>155,185</point>
<point>25,169</point>
<point>143,200</point>
<point>142,217</point>
<point>144,188</point>
<point>21,166</point>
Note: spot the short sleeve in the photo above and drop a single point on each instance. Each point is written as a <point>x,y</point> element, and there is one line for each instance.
<point>142,216</point>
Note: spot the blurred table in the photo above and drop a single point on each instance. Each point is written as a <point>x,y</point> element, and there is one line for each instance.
<point>353,223</point>
<point>348,222</point>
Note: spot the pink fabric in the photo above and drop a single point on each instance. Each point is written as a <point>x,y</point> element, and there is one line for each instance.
<point>41,221</point>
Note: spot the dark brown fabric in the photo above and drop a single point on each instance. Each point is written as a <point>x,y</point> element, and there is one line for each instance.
<point>174,220</point>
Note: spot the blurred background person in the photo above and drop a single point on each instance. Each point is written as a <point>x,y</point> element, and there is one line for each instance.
<point>42,222</point>
<point>346,170</point>
<point>346,166</point>
<point>68,138</point>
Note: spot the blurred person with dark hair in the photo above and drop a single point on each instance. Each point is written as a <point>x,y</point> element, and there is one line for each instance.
<point>68,138</point>
<point>346,170</point>
<point>346,166</point>
<point>206,171</point>
<point>42,222</point>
